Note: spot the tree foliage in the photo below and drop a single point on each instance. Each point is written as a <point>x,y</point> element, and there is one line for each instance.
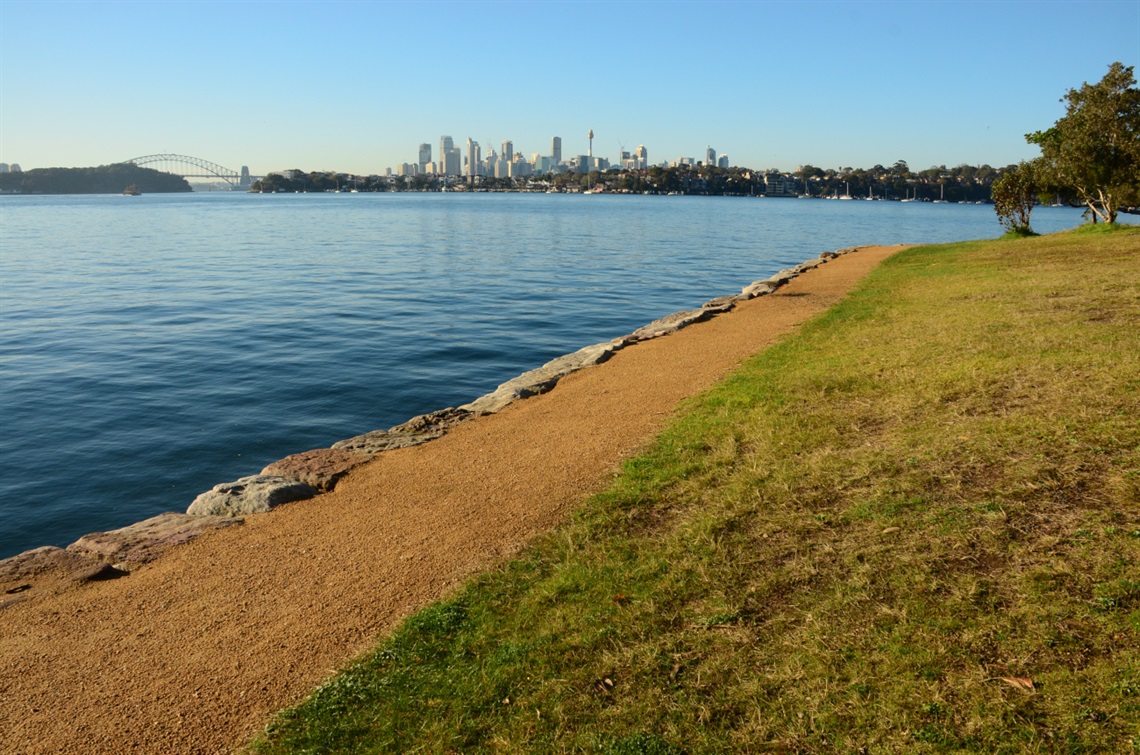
<point>104,179</point>
<point>1014,194</point>
<point>1094,149</point>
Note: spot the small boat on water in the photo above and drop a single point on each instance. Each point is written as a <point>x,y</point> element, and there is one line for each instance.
<point>131,191</point>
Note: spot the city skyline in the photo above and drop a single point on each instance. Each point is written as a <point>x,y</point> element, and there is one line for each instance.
<point>508,163</point>
<point>286,85</point>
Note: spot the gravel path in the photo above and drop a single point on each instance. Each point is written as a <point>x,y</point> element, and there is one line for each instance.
<point>193,652</point>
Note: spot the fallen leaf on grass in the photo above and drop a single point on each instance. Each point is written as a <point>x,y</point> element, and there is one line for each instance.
<point>1019,682</point>
<point>605,686</point>
<point>890,530</point>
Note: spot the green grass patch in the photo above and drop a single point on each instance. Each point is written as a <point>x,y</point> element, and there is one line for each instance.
<point>913,527</point>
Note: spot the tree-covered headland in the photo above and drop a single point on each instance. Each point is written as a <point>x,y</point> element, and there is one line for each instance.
<point>104,179</point>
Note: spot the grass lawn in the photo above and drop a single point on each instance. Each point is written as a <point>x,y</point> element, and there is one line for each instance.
<point>913,527</point>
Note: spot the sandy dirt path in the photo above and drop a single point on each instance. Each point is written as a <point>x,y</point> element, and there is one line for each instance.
<point>193,652</point>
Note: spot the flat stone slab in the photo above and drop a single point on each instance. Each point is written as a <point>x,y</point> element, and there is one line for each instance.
<point>439,420</point>
<point>723,303</point>
<point>145,541</point>
<point>672,323</point>
<point>781,277</point>
<point>543,379</point>
<point>20,572</point>
<point>758,288</point>
<point>321,468</point>
<point>255,494</point>
<point>417,430</point>
<point>379,441</point>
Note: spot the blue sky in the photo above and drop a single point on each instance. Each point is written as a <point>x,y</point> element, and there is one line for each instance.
<point>356,86</point>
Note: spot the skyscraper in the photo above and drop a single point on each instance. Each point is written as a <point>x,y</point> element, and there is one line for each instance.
<point>474,157</point>
<point>450,158</point>
<point>710,156</point>
<point>556,149</point>
<point>508,150</point>
<point>425,157</point>
<point>641,154</point>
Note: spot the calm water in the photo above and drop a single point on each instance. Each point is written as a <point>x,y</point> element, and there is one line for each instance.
<point>152,347</point>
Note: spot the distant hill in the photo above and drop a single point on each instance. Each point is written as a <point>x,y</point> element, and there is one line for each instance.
<point>104,179</point>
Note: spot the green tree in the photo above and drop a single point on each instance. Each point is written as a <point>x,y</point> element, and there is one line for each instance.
<point>1094,149</point>
<point>1014,194</point>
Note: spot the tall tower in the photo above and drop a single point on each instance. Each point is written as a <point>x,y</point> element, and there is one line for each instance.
<point>710,156</point>
<point>590,136</point>
<point>446,146</point>
<point>425,157</point>
<point>508,150</point>
<point>474,157</point>
<point>450,157</point>
<point>556,149</point>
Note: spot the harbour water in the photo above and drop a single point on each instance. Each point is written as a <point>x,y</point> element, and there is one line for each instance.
<point>152,347</point>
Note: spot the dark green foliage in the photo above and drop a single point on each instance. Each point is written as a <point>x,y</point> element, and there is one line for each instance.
<point>1095,148</point>
<point>1014,194</point>
<point>105,179</point>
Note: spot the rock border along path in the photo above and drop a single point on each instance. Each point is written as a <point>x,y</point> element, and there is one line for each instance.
<point>192,651</point>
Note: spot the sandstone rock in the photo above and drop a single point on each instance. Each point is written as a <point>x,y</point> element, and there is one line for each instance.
<point>541,380</point>
<point>722,303</point>
<point>18,573</point>
<point>98,571</point>
<point>144,541</point>
<point>586,356</point>
<point>757,288</point>
<point>433,421</point>
<point>671,323</point>
<point>417,430</point>
<point>809,264</point>
<point>382,440</point>
<point>781,277</point>
<point>828,255</point>
<point>249,495</point>
<point>322,468</point>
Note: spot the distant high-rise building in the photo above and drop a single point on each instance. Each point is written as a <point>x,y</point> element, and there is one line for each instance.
<point>710,156</point>
<point>590,137</point>
<point>556,149</point>
<point>474,157</point>
<point>722,162</point>
<point>3,167</point>
<point>450,159</point>
<point>425,157</point>
<point>508,150</point>
<point>15,168</point>
<point>641,156</point>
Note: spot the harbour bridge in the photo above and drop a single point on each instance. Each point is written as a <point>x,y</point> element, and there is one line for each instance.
<point>195,167</point>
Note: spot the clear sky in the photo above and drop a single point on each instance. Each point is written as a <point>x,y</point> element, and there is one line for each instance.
<point>357,86</point>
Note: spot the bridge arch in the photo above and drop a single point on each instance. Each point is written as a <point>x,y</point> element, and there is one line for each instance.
<point>192,167</point>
